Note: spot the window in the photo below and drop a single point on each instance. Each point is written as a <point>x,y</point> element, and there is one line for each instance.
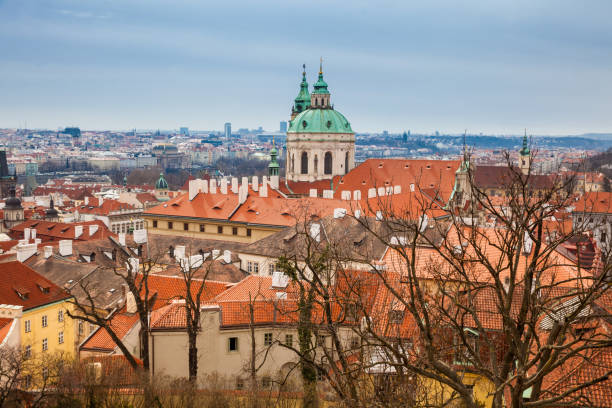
<point>27,381</point>
<point>327,163</point>
<point>321,340</point>
<point>267,339</point>
<point>44,321</point>
<point>266,382</point>
<point>80,328</point>
<point>304,163</point>
<point>27,352</point>
<point>396,316</point>
<point>354,342</point>
<point>154,223</point>
<point>169,224</point>
<point>603,236</point>
<point>185,226</point>
<point>45,344</point>
<point>219,229</point>
<point>28,327</point>
<point>253,267</point>
<point>234,230</point>
<point>202,228</point>
<point>232,344</point>
<point>248,232</point>
<point>60,316</point>
<point>45,373</point>
<point>289,340</point>
<point>271,268</point>
<point>60,337</point>
<point>239,383</point>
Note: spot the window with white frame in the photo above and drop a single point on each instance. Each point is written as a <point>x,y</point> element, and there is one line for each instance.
<point>28,326</point>
<point>60,316</point>
<point>60,337</point>
<point>45,344</point>
<point>44,321</point>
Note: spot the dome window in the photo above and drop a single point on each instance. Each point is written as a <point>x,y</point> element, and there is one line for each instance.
<point>328,124</point>
<point>304,123</point>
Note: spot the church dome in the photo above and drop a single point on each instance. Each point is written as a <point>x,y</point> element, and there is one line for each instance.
<point>12,203</point>
<point>161,183</point>
<point>320,121</point>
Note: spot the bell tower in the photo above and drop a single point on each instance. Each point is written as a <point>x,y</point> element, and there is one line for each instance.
<point>525,156</point>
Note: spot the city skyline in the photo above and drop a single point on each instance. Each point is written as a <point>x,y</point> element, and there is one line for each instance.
<point>488,68</point>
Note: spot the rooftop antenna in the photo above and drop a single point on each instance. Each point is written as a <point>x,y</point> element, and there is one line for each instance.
<point>321,66</point>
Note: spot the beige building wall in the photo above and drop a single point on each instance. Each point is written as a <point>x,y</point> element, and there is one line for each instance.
<point>316,145</point>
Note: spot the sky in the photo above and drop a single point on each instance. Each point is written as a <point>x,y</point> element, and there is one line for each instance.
<point>491,66</point>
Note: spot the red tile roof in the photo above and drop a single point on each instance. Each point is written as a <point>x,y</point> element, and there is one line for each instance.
<point>22,286</point>
<point>5,328</point>
<point>595,202</point>
<point>51,231</point>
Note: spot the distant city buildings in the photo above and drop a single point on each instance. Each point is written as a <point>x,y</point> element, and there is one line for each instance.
<point>283,126</point>
<point>228,130</point>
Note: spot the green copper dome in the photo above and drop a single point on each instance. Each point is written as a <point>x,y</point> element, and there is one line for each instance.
<point>525,149</point>
<point>320,87</point>
<point>161,183</point>
<point>320,121</point>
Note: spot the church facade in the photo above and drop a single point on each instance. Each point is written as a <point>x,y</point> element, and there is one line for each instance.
<point>320,140</point>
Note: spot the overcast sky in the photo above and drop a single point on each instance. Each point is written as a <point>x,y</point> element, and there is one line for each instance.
<point>489,66</point>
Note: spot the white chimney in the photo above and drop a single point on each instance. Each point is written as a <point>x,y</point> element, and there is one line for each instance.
<point>412,187</point>
<point>48,251</point>
<point>24,251</point>
<point>279,280</point>
<point>78,231</point>
<point>389,190</point>
<point>227,256</point>
<point>397,189</point>
<point>93,229</point>
<point>132,264</point>
<point>527,244</point>
<point>100,201</point>
<point>255,183</point>
<point>26,234</point>
<point>357,195</point>
<point>223,185</point>
<point>65,247</point>
<point>130,302</point>
<point>313,192</point>
<point>202,186</point>
<point>140,236</point>
<point>328,194</point>
<point>179,251</point>
<point>315,231</point>
<point>381,191</point>
<point>346,195</point>
<point>357,214</point>
<point>242,193</point>
<point>122,238</point>
<point>33,234</point>
<point>86,200</point>
<point>339,212</point>
<point>193,189</point>
<point>371,192</point>
<point>263,192</point>
<point>234,185</point>
<point>245,182</point>
<point>213,186</point>
<point>274,182</point>
<point>215,254</point>
<point>379,215</point>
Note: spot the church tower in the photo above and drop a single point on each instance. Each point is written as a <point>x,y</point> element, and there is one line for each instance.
<point>13,211</point>
<point>302,101</point>
<point>320,141</point>
<point>525,156</point>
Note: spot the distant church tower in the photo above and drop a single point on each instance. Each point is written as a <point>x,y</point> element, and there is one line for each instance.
<point>525,156</point>
<point>320,141</point>
<point>13,211</point>
<point>302,101</point>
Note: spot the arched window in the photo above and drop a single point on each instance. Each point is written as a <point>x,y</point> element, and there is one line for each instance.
<point>316,164</point>
<point>292,163</point>
<point>346,163</point>
<point>328,163</point>
<point>304,163</point>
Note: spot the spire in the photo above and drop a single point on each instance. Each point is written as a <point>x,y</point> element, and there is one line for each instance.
<point>320,87</point>
<point>525,149</point>
<point>273,167</point>
<point>302,101</point>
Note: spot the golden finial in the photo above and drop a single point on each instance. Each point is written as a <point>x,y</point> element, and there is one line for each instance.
<point>273,142</point>
<point>321,66</point>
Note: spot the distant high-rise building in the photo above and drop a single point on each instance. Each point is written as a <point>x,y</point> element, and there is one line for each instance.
<point>228,130</point>
<point>184,131</point>
<point>283,127</point>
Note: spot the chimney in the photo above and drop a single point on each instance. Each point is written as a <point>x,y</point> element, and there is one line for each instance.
<point>264,187</point>
<point>357,214</point>
<point>381,191</point>
<point>315,231</point>
<point>227,256</point>
<point>328,194</point>
<point>65,247</point>
<point>357,195</point>
<point>179,251</point>
<point>24,251</point>
<point>279,280</point>
<point>242,193</point>
<point>397,189</point>
<point>234,185</point>
<point>86,202</point>
<point>255,183</point>
<point>274,182</point>
<point>213,186</point>
<point>371,192</point>
<point>379,215</point>
<point>140,236</point>
<point>26,234</point>
<point>33,234</point>
<point>339,212</point>
<point>193,189</point>
<point>48,251</point>
<point>215,254</point>
<point>132,265</point>
<point>122,238</point>
<point>78,231</point>
<point>100,201</point>
<point>313,192</point>
<point>346,195</point>
<point>412,187</point>
<point>245,182</point>
<point>223,185</point>
<point>93,229</point>
<point>130,303</point>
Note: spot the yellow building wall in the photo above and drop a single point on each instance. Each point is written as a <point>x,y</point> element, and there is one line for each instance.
<point>34,338</point>
<point>436,393</point>
<point>210,229</point>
